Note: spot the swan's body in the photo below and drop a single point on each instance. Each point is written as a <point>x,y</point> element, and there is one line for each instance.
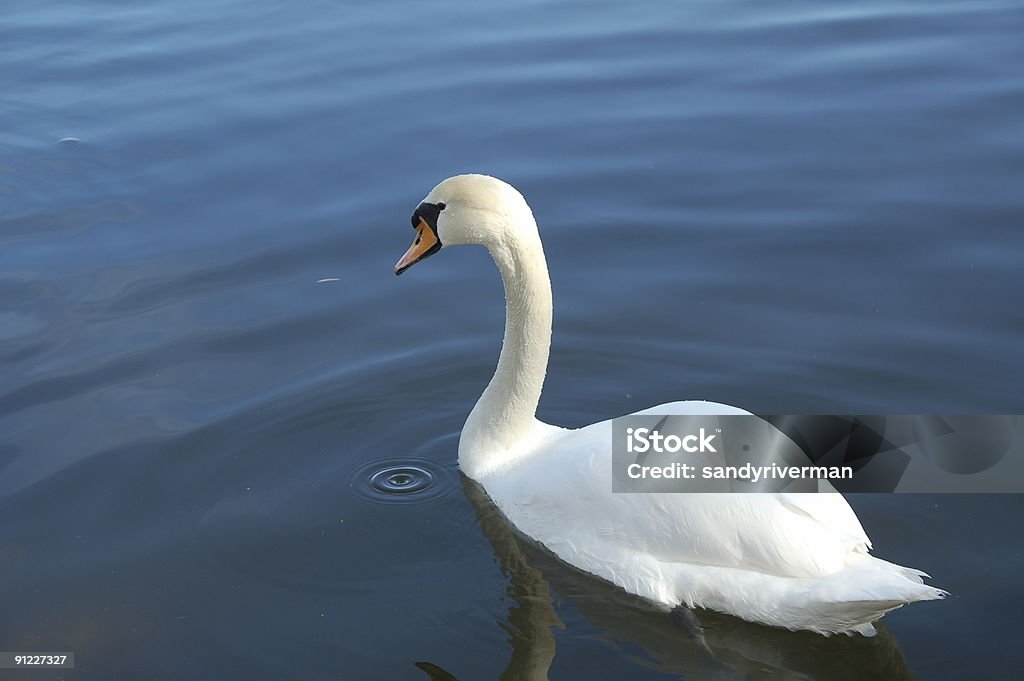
<point>798,561</point>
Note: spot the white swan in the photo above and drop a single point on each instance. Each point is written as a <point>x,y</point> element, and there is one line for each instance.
<point>798,561</point>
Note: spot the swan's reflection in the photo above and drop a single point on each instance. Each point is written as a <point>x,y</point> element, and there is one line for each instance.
<point>696,645</point>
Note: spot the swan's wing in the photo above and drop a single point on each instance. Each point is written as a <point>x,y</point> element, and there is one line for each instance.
<point>563,498</point>
<point>828,512</point>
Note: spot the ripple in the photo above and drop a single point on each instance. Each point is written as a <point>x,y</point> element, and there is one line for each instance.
<point>402,481</point>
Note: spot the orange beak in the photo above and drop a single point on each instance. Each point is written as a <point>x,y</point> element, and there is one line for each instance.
<point>426,243</point>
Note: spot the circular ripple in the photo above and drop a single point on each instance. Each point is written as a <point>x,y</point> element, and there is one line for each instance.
<point>402,481</point>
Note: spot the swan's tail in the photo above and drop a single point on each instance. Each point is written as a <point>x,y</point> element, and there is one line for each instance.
<point>847,601</point>
<point>867,588</point>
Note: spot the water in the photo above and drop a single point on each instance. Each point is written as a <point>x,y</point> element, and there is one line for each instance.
<point>205,358</point>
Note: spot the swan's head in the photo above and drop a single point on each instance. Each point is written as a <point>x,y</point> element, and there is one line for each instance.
<point>466,209</point>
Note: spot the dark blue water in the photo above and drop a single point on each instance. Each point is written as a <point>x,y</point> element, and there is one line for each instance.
<point>205,358</point>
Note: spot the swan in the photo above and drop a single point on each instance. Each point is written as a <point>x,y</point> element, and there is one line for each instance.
<point>797,561</point>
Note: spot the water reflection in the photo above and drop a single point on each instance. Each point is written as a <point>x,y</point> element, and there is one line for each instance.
<point>694,644</point>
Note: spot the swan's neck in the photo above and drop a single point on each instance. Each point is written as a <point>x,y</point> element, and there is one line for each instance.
<point>503,422</point>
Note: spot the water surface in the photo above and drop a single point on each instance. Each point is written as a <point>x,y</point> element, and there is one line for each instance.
<point>205,357</point>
